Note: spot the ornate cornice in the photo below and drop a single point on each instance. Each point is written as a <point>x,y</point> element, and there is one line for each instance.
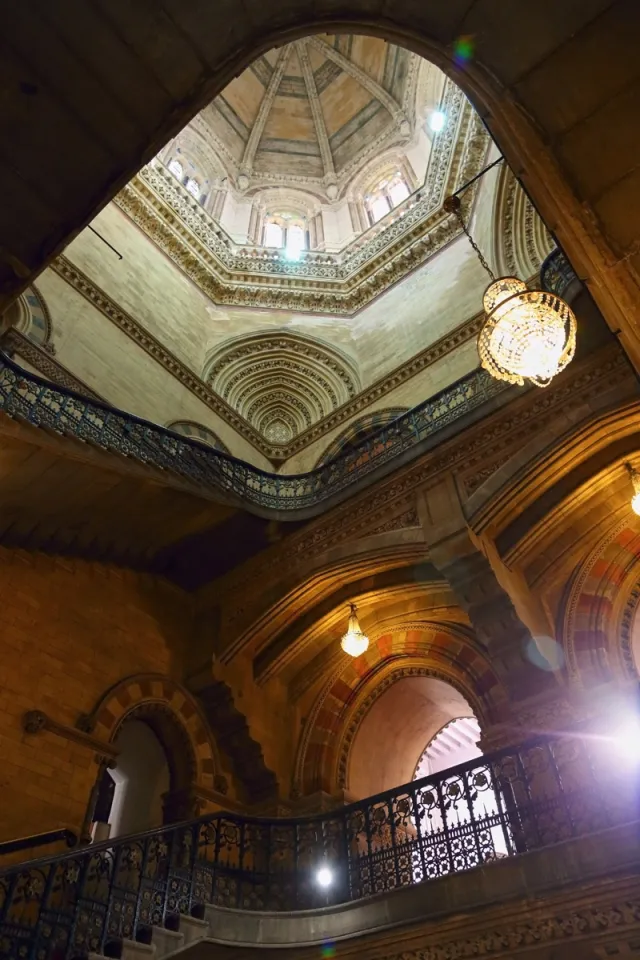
<point>125,322</point>
<point>276,452</point>
<point>340,284</point>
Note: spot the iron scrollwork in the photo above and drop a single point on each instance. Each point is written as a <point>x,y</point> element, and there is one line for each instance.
<point>513,801</point>
<point>26,396</point>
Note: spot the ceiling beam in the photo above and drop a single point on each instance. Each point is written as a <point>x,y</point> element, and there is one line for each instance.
<point>318,120</point>
<point>249,155</point>
<point>365,80</point>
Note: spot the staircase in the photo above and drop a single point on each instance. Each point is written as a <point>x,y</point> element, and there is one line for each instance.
<point>248,882</point>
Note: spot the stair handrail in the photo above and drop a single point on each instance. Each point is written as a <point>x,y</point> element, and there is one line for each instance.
<point>39,840</point>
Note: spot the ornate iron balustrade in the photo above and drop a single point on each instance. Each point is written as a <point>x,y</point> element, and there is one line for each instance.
<point>29,397</point>
<point>557,275</point>
<point>513,801</point>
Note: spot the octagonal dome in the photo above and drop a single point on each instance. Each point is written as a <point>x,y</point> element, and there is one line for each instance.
<point>312,111</point>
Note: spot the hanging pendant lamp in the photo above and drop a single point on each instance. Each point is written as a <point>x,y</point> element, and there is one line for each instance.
<point>635,480</point>
<point>354,642</point>
<point>528,335</point>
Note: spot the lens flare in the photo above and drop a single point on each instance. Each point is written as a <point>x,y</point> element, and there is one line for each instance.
<point>463,49</point>
<point>327,950</point>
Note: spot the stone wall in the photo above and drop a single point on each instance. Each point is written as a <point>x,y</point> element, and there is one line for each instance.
<point>70,630</point>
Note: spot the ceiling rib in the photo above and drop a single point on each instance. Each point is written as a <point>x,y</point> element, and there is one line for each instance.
<point>363,78</point>
<point>318,119</point>
<point>266,104</point>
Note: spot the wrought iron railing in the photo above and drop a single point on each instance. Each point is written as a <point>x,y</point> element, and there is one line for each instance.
<point>29,397</point>
<point>514,801</point>
<point>557,275</point>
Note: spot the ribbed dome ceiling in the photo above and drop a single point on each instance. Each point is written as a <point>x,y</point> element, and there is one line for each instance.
<point>313,109</point>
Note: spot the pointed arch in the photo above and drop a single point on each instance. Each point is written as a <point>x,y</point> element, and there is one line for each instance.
<point>425,648</point>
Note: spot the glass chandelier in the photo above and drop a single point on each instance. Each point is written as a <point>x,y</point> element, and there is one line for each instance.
<point>528,335</point>
<point>635,480</point>
<point>354,642</point>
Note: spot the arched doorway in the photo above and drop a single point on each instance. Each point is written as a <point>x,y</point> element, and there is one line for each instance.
<point>142,780</point>
<point>402,722</point>
<point>132,795</point>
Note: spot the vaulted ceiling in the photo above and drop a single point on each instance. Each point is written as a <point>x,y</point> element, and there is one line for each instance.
<point>312,109</point>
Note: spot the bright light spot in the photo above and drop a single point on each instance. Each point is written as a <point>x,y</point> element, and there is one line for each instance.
<point>627,740</point>
<point>324,877</point>
<point>437,121</point>
<point>292,254</point>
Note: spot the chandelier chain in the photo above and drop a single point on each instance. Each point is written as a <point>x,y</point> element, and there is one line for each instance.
<point>452,205</point>
<point>475,246</point>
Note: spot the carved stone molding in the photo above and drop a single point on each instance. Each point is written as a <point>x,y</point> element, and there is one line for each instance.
<point>562,926</point>
<point>35,721</point>
<point>506,431</point>
<point>338,284</point>
<point>281,379</point>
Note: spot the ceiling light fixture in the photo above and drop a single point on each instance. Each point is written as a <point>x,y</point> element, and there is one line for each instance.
<point>635,480</point>
<point>528,334</point>
<point>354,642</point>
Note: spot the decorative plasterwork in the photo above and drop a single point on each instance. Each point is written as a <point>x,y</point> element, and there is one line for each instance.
<point>325,283</point>
<point>281,383</point>
<point>522,240</point>
<point>253,177</point>
<point>276,452</point>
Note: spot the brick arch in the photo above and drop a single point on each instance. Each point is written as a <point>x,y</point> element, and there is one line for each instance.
<point>444,650</point>
<point>174,716</point>
<point>593,636</point>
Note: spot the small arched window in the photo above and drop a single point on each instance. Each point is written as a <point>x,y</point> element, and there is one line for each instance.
<point>273,234</point>
<point>286,231</point>
<point>176,169</point>
<point>387,194</point>
<point>296,241</point>
<point>193,187</point>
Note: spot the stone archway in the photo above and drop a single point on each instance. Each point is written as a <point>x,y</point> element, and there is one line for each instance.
<point>598,613</point>
<point>176,720</point>
<point>421,649</point>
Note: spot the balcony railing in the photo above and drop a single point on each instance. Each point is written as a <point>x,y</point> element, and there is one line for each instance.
<point>26,396</point>
<point>511,802</point>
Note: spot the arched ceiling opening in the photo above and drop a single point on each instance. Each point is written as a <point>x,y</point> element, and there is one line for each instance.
<point>396,730</point>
